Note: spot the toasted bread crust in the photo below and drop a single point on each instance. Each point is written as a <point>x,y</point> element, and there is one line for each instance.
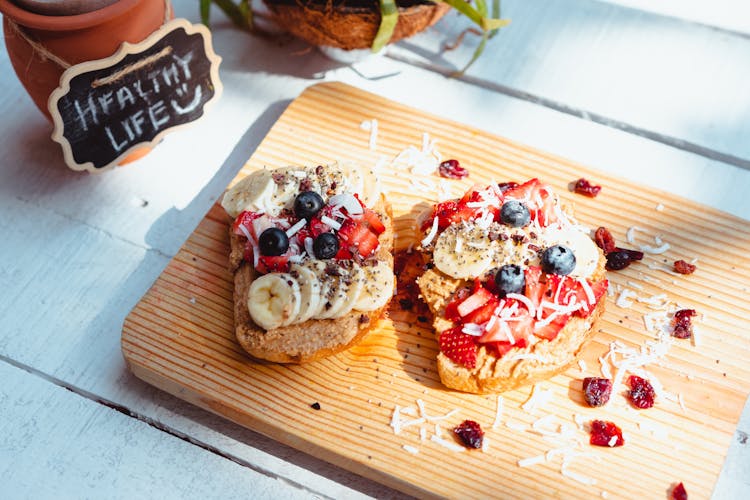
<point>493,374</point>
<point>313,339</point>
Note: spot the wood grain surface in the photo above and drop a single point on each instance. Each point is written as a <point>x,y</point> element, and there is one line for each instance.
<point>180,335</point>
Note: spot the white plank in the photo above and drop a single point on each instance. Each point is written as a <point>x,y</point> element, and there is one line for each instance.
<point>662,75</point>
<point>78,251</point>
<point>731,15</point>
<point>55,444</point>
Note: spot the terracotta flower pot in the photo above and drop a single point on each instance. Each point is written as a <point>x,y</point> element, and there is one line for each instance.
<point>72,39</point>
<point>350,24</point>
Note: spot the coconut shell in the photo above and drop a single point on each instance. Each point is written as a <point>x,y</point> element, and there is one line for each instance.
<point>351,25</point>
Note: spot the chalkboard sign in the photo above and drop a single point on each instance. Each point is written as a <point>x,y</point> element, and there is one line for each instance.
<point>105,109</point>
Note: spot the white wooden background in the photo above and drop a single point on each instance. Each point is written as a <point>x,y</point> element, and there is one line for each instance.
<point>654,91</point>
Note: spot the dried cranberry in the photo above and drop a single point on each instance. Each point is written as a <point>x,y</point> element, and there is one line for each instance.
<point>452,170</point>
<point>605,433</point>
<point>470,433</point>
<point>584,187</point>
<point>619,259</point>
<point>597,390</point>
<point>605,240</point>
<point>683,323</point>
<point>504,186</point>
<point>683,267</point>
<point>641,392</point>
<point>632,254</point>
<point>679,493</point>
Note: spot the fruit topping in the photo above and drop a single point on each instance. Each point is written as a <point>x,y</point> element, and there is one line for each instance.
<point>641,393</point>
<point>357,238</point>
<point>682,267</point>
<point>470,433</point>
<point>558,259</point>
<point>504,186</point>
<point>540,202</point>
<point>307,204</point>
<point>459,347</point>
<point>515,214</point>
<point>325,246</point>
<point>605,240</point>
<point>683,323</point>
<point>584,187</point>
<point>510,279</point>
<point>596,391</point>
<point>273,242</point>
<point>621,258</point>
<point>452,170</point>
<point>679,492</point>
<point>605,433</point>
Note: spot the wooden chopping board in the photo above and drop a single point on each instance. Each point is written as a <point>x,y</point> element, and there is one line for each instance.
<point>180,335</point>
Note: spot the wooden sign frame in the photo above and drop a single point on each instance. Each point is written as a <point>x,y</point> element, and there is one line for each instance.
<point>125,50</point>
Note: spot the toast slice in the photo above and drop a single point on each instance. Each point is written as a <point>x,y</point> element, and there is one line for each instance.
<point>500,333</point>
<point>338,299</point>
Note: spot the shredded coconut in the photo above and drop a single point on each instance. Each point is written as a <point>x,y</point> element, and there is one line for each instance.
<point>537,399</point>
<point>431,235</point>
<point>498,412</point>
<point>528,462</point>
<point>410,449</point>
<point>655,250</point>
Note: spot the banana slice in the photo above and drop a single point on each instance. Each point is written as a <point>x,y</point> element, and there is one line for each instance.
<point>286,188</point>
<point>251,193</point>
<point>349,285</point>
<point>309,291</point>
<point>584,248</point>
<point>325,281</point>
<point>357,281</point>
<point>377,288</point>
<point>336,298</point>
<point>463,251</point>
<point>274,300</point>
<point>362,181</point>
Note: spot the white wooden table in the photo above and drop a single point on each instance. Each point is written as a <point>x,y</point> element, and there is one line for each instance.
<point>657,96</point>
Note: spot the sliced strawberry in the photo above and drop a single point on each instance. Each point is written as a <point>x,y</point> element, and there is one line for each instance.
<point>273,264</point>
<point>373,220</point>
<point>245,219</point>
<point>573,290</point>
<point>502,348</point>
<point>451,310</point>
<point>537,198</point>
<point>357,237</point>
<point>459,347</point>
<point>534,288</point>
<point>480,297</point>
<point>482,314</point>
<point>519,327</point>
<point>550,331</point>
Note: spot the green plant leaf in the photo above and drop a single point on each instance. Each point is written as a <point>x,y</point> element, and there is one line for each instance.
<point>495,15</point>
<point>234,12</point>
<point>464,8</point>
<point>205,11</point>
<point>477,53</point>
<point>389,18</point>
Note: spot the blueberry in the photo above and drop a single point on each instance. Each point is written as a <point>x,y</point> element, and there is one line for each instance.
<point>510,279</point>
<point>326,246</point>
<point>515,214</point>
<point>273,241</point>
<point>558,259</point>
<point>307,204</point>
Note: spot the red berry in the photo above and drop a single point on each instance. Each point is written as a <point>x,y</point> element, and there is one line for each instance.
<point>632,254</point>
<point>641,392</point>
<point>683,323</point>
<point>459,347</point>
<point>683,267</point>
<point>679,493</point>
<point>597,390</point>
<point>605,434</point>
<point>470,433</point>
<point>504,186</point>
<point>605,240</point>
<point>584,187</point>
<point>617,260</point>
<point>452,170</point>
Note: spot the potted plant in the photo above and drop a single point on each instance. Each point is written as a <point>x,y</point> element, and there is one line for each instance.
<point>361,24</point>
